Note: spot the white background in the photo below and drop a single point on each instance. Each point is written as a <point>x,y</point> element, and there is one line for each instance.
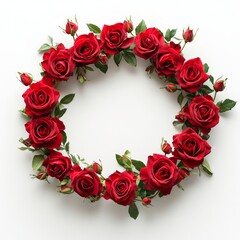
<point>123,109</point>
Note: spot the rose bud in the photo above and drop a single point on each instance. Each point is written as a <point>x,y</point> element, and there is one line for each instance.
<point>42,175</point>
<point>128,26</point>
<point>146,201</point>
<point>25,78</point>
<point>97,168</point>
<point>171,87</point>
<point>188,35</point>
<point>71,28</point>
<point>219,85</point>
<point>66,190</point>
<point>181,117</point>
<point>166,147</point>
<point>103,58</point>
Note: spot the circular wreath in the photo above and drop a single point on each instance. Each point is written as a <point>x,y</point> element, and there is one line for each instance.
<point>138,182</point>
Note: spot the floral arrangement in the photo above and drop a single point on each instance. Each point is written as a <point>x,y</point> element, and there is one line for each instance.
<point>137,182</point>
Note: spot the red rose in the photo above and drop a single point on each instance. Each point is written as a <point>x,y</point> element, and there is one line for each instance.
<point>148,43</point>
<point>188,35</point>
<point>219,85</point>
<point>160,174</point>
<point>114,38</point>
<point>202,113</point>
<point>45,132</point>
<point>190,148</point>
<point>191,75</point>
<point>71,28</point>
<point>121,187</point>
<point>25,78</point>
<point>57,165</point>
<point>58,63</point>
<point>86,49</point>
<point>85,182</point>
<point>40,99</point>
<point>168,60</point>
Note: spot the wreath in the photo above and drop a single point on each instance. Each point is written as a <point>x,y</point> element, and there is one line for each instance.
<point>199,112</point>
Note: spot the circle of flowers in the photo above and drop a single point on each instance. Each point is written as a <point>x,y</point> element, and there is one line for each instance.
<point>138,182</point>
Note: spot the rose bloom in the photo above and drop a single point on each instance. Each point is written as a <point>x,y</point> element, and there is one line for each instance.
<point>160,174</point>
<point>45,132</point>
<point>191,76</point>
<point>40,99</point>
<point>57,165</point>
<point>86,49</point>
<point>168,60</point>
<point>202,113</point>
<point>25,78</point>
<point>114,38</point>
<point>58,63</point>
<point>85,182</point>
<point>121,187</point>
<point>71,28</point>
<point>190,148</point>
<point>148,43</point>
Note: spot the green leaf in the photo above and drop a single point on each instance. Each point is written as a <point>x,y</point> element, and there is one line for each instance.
<point>206,167</point>
<point>94,28</point>
<point>89,68</point>
<point>102,67</point>
<point>175,123</point>
<point>23,148</point>
<point>67,147</point>
<point>44,48</point>
<point>170,34</point>
<point>205,67</point>
<point>138,164</point>
<point>74,159</point>
<point>64,182</point>
<point>64,137</point>
<point>130,58</point>
<point>211,78</point>
<point>50,40</point>
<point>117,58</point>
<point>57,110</point>
<point>140,27</point>
<point>226,105</point>
<point>180,98</point>
<point>204,90</point>
<point>133,210</point>
<point>62,112</point>
<point>119,160</point>
<point>37,162</point>
<point>81,79</point>
<point>67,99</point>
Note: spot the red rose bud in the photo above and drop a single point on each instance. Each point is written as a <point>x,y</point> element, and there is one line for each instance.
<point>219,85</point>
<point>97,168</point>
<point>171,87</point>
<point>128,26</point>
<point>26,78</point>
<point>181,117</point>
<point>103,58</point>
<point>42,175</point>
<point>188,35</point>
<point>166,147</point>
<point>71,28</point>
<point>66,190</point>
<point>146,201</point>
